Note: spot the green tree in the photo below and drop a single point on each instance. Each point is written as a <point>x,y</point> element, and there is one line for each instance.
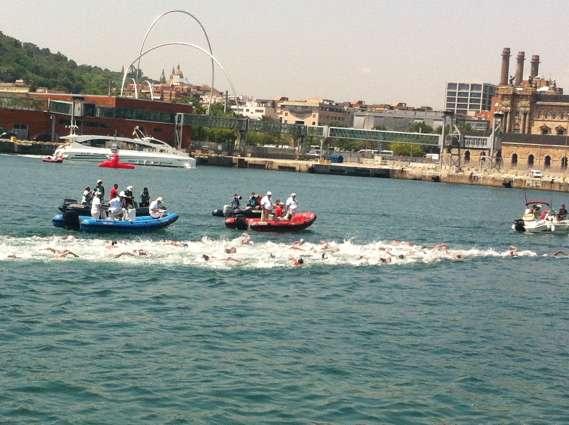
<point>406,149</point>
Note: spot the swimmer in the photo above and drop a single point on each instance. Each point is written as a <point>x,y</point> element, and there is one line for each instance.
<point>62,253</point>
<point>559,254</point>
<point>135,253</point>
<point>513,251</point>
<point>296,262</point>
<point>246,239</point>
<point>112,245</point>
<point>13,257</point>
<point>441,246</point>
<point>230,250</point>
<point>385,260</point>
<point>205,257</point>
<point>323,256</point>
<point>297,244</point>
<point>176,243</point>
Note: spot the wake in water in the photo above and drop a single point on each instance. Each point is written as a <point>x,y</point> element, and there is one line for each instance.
<point>239,252</point>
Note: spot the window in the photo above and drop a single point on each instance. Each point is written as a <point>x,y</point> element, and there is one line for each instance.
<point>467,157</point>
<point>531,160</point>
<point>544,129</point>
<point>564,163</point>
<point>547,162</point>
<point>514,160</point>
<point>560,131</point>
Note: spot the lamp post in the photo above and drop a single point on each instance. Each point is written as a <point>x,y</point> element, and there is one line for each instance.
<point>446,115</point>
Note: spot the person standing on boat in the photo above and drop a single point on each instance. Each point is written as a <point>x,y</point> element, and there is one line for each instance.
<point>99,188</point>
<point>266,205</point>
<point>252,202</point>
<point>87,196</point>
<point>156,209</point>
<point>235,201</point>
<point>115,208</point>
<point>144,198</point>
<point>562,213</point>
<point>291,205</point>
<point>97,206</point>
<point>129,197</point>
<point>114,191</point>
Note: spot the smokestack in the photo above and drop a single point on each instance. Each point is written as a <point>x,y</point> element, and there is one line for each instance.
<point>520,68</point>
<point>534,66</point>
<point>504,73</point>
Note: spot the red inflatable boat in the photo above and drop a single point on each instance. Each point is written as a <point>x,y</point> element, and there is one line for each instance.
<point>115,162</point>
<point>299,221</point>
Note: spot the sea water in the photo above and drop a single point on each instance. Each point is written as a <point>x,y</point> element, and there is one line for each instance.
<point>411,306</point>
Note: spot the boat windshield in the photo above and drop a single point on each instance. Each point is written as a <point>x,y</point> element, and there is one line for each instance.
<point>121,144</point>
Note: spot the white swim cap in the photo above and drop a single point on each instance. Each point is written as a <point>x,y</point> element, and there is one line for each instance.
<point>269,193</point>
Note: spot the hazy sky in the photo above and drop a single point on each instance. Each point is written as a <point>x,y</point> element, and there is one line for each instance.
<point>378,51</point>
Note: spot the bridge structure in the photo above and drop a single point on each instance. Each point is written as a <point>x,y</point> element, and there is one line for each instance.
<point>299,132</point>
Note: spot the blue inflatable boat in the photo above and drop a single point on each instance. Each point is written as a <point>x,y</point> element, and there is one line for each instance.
<point>90,224</point>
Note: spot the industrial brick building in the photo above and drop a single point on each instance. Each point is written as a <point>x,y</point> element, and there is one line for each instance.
<point>47,116</point>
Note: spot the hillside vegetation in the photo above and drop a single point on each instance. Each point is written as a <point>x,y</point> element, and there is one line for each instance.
<point>41,68</point>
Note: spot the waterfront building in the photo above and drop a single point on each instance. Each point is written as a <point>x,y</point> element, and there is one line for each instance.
<point>397,119</point>
<point>47,116</point>
<point>536,117</point>
<point>18,86</point>
<point>257,109</point>
<point>468,98</point>
<point>314,112</point>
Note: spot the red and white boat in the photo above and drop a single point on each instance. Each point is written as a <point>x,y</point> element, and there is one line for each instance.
<point>299,221</point>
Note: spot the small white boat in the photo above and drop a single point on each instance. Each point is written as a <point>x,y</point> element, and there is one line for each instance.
<point>141,150</point>
<point>539,217</point>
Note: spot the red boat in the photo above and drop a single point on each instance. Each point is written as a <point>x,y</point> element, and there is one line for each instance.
<point>299,221</point>
<point>53,159</point>
<point>115,162</point>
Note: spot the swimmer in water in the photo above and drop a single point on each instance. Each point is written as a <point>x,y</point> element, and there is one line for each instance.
<point>231,250</point>
<point>205,257</point>
<point>135,253</point>
<point>62,253</point>
<point>297,244</point>
<point>513,251</point>
<point>559,254</point>
<point>246,239</point>
<point>296,262</point>
<point>112,245</point>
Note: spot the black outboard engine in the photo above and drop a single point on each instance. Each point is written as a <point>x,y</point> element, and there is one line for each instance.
<point>71,220</point>
<point>241,223</point>
<point>519,225</point>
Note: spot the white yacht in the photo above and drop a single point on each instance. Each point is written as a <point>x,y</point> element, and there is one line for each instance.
<point>141,150</point>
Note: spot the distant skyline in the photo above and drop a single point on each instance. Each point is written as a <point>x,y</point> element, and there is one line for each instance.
<point>378,51</point>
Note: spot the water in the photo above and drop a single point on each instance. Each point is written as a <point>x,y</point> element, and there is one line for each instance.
<point>467,334</point>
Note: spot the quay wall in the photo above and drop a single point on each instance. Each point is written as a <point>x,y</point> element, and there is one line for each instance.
<point>27,147</point>
<point>406,171</point>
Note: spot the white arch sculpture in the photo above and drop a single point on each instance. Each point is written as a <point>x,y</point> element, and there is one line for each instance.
<point>184,12</point>
<point>179,43</point>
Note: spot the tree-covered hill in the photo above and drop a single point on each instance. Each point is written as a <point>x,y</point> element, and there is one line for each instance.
<point>42,68</point>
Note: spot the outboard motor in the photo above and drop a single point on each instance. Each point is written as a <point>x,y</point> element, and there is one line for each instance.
<point>519,225</point>
<point>217,213</point>
<point>241,223</point>
<point>226,209</point>
<point>71,220</point>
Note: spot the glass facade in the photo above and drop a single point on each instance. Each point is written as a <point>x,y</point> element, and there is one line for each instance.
<point>462,98</point>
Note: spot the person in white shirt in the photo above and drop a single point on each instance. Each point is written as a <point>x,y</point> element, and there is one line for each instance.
<point>115,208</point>
<point>266,205</point>
<point>96,206</point>
<point>156,208</point>
<point>87,196</point>
<point>291,205</point>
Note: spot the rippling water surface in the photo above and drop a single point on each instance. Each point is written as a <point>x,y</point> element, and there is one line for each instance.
<point>382,324</point>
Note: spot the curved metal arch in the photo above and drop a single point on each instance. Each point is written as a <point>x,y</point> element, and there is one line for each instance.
<point>179,43</point>
<point>135,87</point>
<point>151,90</point>
<point>184,12</point>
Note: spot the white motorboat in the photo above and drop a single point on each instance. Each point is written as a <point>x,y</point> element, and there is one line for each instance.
<point>539,217</point>
<point>141,150</point>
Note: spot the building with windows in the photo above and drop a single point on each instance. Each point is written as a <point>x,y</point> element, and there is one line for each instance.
<point>469,98</point>
<point>257,109</point>
<point>535,118</point>
<point>47,116</point>
<point>397,119</point>
<point>313,112</point>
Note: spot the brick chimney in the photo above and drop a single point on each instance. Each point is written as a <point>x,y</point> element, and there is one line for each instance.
<point>520,68</point>
<point>534,66</point>
<point>504,73</point>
